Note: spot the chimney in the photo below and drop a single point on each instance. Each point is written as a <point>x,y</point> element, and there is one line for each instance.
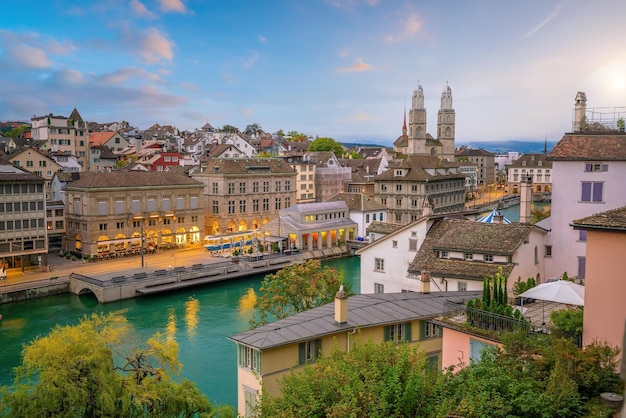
<point>425,281</point>
<point>341,307</point>
<point>526,199</point>
<point>580,111</point>
<point>427,207</point>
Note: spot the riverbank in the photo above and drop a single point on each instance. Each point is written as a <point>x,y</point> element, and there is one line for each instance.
<point>124,278</point>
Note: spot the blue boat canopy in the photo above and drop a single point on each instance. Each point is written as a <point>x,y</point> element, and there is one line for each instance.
<point>490,217</point>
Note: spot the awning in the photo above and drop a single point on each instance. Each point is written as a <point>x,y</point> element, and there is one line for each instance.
<point>272,238</point>
<point>116,241</point>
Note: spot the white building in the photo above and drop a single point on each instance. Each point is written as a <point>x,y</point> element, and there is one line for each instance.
<point>364,210</point>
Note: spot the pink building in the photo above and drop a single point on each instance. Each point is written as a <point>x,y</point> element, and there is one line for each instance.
<point>605,293</point>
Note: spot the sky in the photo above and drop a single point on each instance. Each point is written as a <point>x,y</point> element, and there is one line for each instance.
<point>344,69</point>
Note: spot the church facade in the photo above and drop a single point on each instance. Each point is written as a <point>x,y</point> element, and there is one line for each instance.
<point>415,140</point>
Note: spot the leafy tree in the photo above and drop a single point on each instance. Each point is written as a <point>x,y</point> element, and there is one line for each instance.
<point>16,132</point>
<point>296,136</point>
<point>538,214</point>
<point>253,129</point>
<point>353,154</point>
<point>621,124</point>
<point>296,288</point>
<point>372,380</point>
<point>75,372</point>
<point>326,144</point>
<point>280,133</point>
<point>230,129</point>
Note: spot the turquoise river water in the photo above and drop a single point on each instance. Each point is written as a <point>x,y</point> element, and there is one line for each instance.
<point>200,318</point>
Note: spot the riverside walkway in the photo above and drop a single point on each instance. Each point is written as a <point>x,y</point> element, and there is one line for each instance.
<point>124,278</point>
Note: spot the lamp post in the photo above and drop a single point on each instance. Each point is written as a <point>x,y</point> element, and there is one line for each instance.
<point>142,243</point>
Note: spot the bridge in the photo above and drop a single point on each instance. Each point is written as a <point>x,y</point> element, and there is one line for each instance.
<point>107,288</point>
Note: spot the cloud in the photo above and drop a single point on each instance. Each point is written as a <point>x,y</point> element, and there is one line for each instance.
<point>245,111</point>
<point>251,59</point>
<point>189,86</point>
<point>124,74</point>
<point>358,117</point>
<point>344,53</point>
<point>153,46</point>
<point>544,22</point>
<point>173,6</point>
<point>28,56</point>
<point>410,27</point>
<point>262,39</point>
<point>359,66</point>
<point>139,9</point>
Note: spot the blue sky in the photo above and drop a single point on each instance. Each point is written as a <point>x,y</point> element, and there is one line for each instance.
<point>337,68</point>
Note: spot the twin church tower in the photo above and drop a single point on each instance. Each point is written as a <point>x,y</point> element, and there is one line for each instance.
<point>416,141</point>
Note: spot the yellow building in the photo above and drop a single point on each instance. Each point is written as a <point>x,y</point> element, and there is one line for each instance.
<point>265,354</point>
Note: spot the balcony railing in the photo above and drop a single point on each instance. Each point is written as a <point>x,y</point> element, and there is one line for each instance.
<point>487,321</point>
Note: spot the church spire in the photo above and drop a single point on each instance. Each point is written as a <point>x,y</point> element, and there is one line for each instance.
<point>404,124</point>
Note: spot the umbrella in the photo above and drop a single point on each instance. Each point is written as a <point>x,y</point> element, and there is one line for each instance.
<point>489,218</point>
<point>561,291</point>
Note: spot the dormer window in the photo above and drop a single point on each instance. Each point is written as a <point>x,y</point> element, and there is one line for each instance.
<point>539,163</point>
<point>524,163</point>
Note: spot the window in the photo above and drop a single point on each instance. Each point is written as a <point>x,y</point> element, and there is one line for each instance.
<point>151,205</point>
<point>398,217</point>
<point>250,400</point>
<point>548,250</point>
<point>430,330</point>
<point>287,202</point>
<point>287,185</point>
<point>379,264</point>
<point>194,202</point>
<point>152,222</point>
<point>461,286</point>
<point>103,227</point>
<point>102,208</point>
<point>582,235</point>
<point>242,188</point>
<point>215,188</point>
<point>231,188</point>
<point>180,203</point>
<point>119,225</point>
<point>412,244</point>
<point>119,207</point>
<point>488,258</point>
<point>398,332</point>
<point>414,187</point>
<point>249,358</point>
<point>398,187</point>
<point>59,224</point>
<point>255,205</point>
<point>266,187</point>
<point>216,207</point>
<point>167,221</point>
<point>278,186</point>
<point>367,218</point>
<point>399,202</point>
<point>582,262</point>
<point>469,256</point>
<point>231,207</point>
<point>413,203</point>
<point>242,206</point>
<point>255,187</point>
<point>308,351</point>
<point>379,288</point>
<point>266,205</point>
<point>476,349</point>
<point>596,167</point>
<point>591,191</point>
<point>383,187</point>
<point>394,244</point>
<point>277,203</point>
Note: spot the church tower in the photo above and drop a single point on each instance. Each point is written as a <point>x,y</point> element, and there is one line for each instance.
<point>446,125</point>
<point>417,123</point>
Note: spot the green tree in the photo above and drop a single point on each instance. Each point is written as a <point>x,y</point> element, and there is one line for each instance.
<point>230,129</point>
<point>76,371</point>
<point>16,132</point>
<point>296,288</point>
<point>372,380</point>
<point>621,124</point>
<point>326,144</point>
<point>253,129</point>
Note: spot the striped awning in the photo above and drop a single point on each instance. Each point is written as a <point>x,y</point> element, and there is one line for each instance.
<point>489,218</point>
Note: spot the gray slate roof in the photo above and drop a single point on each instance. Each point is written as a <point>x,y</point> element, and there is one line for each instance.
<point>363,311</point>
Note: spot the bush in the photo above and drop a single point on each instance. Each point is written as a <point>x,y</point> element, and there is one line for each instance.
<point>567,322</point>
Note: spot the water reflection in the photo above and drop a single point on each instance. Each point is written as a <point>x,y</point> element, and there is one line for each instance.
<point>247,301</point>
<point>170,329</point>
<point>192,307</point>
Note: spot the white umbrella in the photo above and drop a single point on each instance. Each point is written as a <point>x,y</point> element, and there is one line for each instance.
<point>561,291</point>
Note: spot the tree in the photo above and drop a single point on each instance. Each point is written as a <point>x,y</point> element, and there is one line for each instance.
<point>253,129</point>
<point>75,371</point>
<point>372,380</point>
<point>621,124</point>
<point>326,144</point>
<point>230,129</point>
<point>17,132</point>
<point>296,288</point>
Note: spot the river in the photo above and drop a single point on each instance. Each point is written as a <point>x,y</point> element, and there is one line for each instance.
<point>200,319</point>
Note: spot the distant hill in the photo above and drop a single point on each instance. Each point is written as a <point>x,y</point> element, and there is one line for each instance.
<point>497,147</point>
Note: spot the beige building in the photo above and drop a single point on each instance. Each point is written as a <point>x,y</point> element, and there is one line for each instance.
<point>305,176</point>
<point>245,193</point>
<point>268,353</point>
<point>484,161</point>
<point>32,160</point>
<point>66,134</point>
<point>108,213</point>
<point>408,182</point>
<point>23,234</point>
<point>330,176</point>
<point>536,166</point>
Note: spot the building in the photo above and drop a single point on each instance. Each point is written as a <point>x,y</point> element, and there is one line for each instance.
<point>330,176</point>
<point>101,158</point>
<point>536,166</point>
<point>23,233</point>
<point>363,209</point>
<point>364,170</point>
<point>65,134</point>
<point>605,310</point>
<point>111,139</point>
<point>484,161</point>
<point>36,162</point>
<point>416,140</point>
<point>109,213</point>
<point>406,184</point>
<point>268,353</point>
<point>322,226</point>
<point>55,224</point>
<point>305,176</point>
<point>245,193</point>
<point>588,171</point>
